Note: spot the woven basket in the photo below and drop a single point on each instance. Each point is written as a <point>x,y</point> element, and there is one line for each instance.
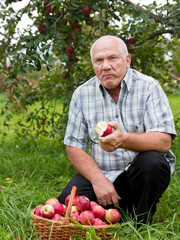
<point>51,230</point>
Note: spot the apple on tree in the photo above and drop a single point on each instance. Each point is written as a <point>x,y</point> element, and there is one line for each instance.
<point>103,129</point>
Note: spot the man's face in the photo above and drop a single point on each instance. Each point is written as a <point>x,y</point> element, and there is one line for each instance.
<point>110,64</point>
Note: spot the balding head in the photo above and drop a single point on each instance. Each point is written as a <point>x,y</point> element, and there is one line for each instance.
<point>121,44</point>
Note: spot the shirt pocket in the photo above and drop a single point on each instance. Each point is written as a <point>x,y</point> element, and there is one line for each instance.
<point>135,128</point>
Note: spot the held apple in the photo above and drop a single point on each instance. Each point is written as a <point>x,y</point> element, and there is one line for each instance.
<point>103,129</point>
<point>112,215</point>
<point>47,211</point>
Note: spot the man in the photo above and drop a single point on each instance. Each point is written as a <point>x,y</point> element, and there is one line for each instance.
<point>129,167</point>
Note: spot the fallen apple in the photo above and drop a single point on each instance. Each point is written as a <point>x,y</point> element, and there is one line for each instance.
<point>47,211</point>
<point>112,216</point>
<point>82,203</point>
<point>103,129</point>
<point>86,217</point>
<point>38,210</point>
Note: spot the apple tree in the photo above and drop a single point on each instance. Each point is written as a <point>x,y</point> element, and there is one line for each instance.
<point>57,41</point>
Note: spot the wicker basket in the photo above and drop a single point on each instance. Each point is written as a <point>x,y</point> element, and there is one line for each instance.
<point>51,230</point>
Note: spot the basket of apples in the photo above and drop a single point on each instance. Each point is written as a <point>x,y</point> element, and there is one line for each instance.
<point>72,219</point>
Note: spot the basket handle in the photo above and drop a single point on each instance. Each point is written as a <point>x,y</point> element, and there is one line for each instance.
<point>74,192</point>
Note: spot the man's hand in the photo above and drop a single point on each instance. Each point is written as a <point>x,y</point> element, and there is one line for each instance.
<point>113,141</point>
<point>105,193</point>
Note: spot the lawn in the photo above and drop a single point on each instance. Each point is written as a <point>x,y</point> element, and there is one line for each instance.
<point>34,170</point>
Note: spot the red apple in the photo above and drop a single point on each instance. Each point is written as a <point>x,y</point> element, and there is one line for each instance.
<point>42,122</point>
<point>76,59</point>
<point>92,204</point>
<point>46,2</point>
<point>38,210</point>
<point>103,129</point>
<point>131,41</point>
<point>42,28</point>
<point>75,210</point>
<point>75,217</point>
<point>58,208</point>
<point>9,68</point>
<point>64,209</point>
<point>70,48</point>
<point>112,215</point>
<point>47,211</point>
<point>99,211</point>
<point>87,217</point>
<point>98,222</point>
<point>50,9</point>
<point>57,217</point>
<point>67,200</point>
<point>69,55</point>
<point>82,203</point>
<point>74,24</point>
<point>86,10</point>
<point>51,201</point>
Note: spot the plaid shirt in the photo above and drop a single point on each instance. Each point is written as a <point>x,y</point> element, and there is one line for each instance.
<point>142,107</point>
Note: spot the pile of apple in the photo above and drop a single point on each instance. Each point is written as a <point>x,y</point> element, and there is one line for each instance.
<point>83,211</point>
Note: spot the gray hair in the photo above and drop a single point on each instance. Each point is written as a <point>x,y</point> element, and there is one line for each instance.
<point>122,45</point>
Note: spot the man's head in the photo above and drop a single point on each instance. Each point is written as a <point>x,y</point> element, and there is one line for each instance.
<point>110,60</point>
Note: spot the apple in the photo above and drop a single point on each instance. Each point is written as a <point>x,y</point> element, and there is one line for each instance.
<point>38,210</point>
<point>73,24</point>
<point>103,129</point>
<point>131,41</point>
<point>46,2</point>
<point>51,201</point>
<point>92,204</point>
<point>47,211</point>
<point>112,215</point>
<point>98,222</point>
<point>86,217</point>
<point>56,217</point>
<point>67,199</point>
<point>82,203</point>
<point>70,48</point>
<point>99,211</point>
<point>42,122</point>
<point>50,9</point>
<point>76,59</point>
<point>69,55</point>
<point>42,28</point>
<point>9,68</point>
<point>75,210</point>
<point>75,217</point>
<point>86,10</point>
<point>64,209</point>
<point>58,208</point>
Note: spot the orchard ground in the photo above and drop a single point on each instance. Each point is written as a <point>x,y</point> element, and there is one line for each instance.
<point>34,170</point>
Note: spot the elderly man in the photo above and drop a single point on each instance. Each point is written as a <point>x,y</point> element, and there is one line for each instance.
<point>131,166</point>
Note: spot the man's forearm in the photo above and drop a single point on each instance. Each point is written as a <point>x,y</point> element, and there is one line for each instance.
<point>84,164</point>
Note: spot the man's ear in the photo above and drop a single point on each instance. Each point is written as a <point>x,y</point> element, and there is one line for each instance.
<point>128,59</point>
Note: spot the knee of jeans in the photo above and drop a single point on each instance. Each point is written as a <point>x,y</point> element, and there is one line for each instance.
<point>150,162</point>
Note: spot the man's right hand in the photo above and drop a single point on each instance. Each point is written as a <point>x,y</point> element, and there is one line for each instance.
<point>105,192</point>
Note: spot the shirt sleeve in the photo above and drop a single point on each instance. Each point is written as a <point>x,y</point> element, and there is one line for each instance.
<point>76,131</point>
<point>158,114</point>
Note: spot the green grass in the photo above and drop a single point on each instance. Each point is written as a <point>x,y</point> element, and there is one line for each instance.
<point>31,171</point>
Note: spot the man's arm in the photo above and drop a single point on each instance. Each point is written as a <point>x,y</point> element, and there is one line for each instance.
<point>86,166</point>
<point>137,142</point>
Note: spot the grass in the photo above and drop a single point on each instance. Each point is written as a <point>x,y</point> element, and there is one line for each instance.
<point>34,170</point>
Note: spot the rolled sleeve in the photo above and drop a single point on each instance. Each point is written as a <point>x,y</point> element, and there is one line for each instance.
<point>158,114</point>
<point>76,131</point>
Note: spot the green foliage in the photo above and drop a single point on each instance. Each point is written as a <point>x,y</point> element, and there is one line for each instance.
<point>59,24</point>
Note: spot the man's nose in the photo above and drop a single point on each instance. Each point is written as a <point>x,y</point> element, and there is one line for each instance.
<point>106,65</point>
